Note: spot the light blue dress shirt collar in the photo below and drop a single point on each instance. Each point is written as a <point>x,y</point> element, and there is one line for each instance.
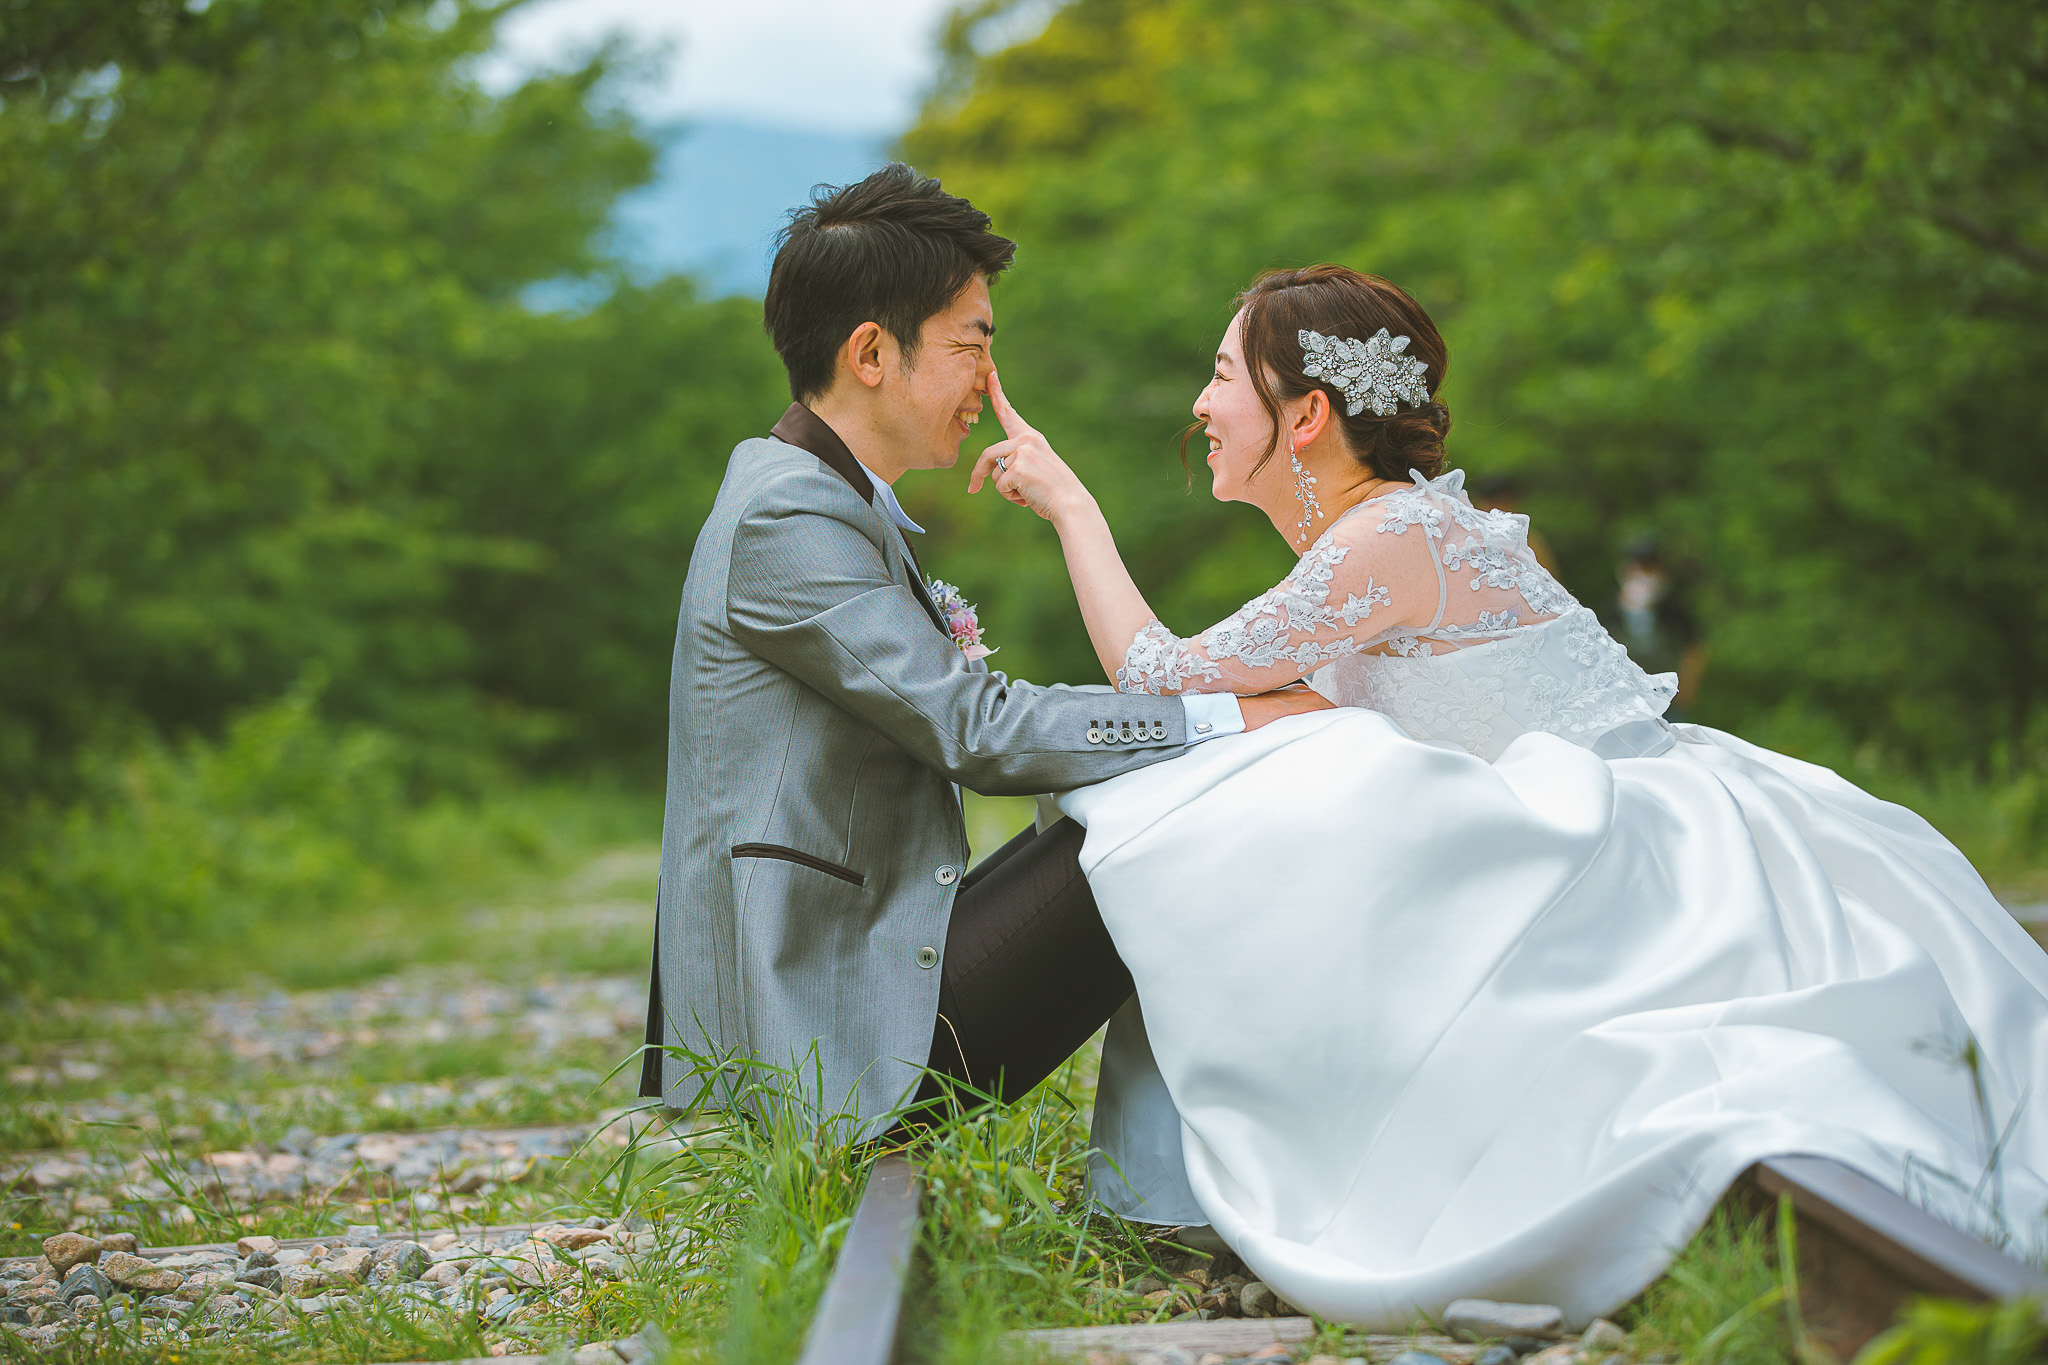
<point>885,496</point>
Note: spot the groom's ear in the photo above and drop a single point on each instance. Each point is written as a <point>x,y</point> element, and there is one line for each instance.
<point>862,354</point>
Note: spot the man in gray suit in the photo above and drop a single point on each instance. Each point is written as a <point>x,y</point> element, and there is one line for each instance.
<point>815,904</point>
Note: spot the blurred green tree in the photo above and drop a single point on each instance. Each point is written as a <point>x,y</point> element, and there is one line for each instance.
<point>272,398</point>
<point>1766,279</point>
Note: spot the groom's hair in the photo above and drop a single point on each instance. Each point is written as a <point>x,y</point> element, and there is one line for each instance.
<point>892,249</point>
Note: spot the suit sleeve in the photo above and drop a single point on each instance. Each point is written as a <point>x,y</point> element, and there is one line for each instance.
<point>809,591</point>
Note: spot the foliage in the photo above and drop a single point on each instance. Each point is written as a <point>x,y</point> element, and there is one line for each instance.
<point>272,406</point>
<point>194,863</point>
<point>1765,279</point>
<point>1721,1298</point>
<point>1942,1332</point>
<point>272,396</point>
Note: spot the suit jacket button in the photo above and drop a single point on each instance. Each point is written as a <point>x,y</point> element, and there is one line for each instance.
<point>1095,736</point>
<point>946,875</point>
<point>927,958</point>
<point>1159,729</point>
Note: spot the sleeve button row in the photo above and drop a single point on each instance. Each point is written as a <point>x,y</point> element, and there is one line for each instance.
<point>1125,732</point>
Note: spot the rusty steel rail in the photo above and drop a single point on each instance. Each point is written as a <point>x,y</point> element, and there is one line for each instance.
<point>1865,1251</point>
<point>862,1308</point>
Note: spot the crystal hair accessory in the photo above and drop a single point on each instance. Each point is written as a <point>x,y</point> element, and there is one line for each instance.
<point>961,622</point>
<point>1370,374</point>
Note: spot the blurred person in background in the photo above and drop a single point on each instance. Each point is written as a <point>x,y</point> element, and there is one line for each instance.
<point>1653,618</point>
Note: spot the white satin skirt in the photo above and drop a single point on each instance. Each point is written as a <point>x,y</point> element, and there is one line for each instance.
<point>1417,1027</point>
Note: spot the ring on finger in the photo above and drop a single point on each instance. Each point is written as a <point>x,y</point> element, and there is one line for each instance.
<point>1003,464</point>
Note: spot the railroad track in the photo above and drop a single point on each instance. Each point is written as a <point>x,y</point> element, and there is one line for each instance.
<point>1863,1253</point>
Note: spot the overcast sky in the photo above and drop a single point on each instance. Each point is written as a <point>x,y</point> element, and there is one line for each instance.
<point>847,66</point>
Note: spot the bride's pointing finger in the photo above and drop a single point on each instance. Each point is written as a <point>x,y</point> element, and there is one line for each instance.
<point>1013,425</point>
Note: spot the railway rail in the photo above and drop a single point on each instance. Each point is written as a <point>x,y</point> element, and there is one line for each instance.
<point>1863,1252</point>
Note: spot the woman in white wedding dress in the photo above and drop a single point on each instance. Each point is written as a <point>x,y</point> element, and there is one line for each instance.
<point>1490,981</point>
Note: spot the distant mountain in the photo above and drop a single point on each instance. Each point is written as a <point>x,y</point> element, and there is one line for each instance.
<point>722,191</point>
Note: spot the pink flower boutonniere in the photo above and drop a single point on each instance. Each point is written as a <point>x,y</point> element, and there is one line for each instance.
<point>961,621</point>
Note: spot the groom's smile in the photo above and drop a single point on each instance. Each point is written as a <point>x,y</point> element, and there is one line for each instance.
<point>950,375</point>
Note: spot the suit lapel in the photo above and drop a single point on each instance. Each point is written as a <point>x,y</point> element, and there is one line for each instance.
<point>805,430</point>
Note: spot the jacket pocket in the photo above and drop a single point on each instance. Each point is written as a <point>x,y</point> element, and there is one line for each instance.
<point>790,855</point>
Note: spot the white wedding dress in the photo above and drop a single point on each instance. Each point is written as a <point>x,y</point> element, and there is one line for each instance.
<point>1490,987</point>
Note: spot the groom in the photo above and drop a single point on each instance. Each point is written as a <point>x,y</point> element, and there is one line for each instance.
<point>815,903</point>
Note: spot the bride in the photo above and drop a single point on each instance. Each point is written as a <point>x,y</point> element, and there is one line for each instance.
<point>1490,982</point>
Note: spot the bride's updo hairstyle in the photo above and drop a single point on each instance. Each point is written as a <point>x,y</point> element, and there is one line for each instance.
<point>1340,302</point>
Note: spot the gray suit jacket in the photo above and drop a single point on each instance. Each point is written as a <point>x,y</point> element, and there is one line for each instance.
<point>819,716</point>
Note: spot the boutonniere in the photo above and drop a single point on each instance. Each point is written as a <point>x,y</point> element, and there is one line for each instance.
<point>961,622</point>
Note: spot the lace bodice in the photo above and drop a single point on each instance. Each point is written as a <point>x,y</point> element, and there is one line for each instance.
<point>1421,606</point>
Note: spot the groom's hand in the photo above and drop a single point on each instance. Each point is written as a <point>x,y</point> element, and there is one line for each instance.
<point>1297,700</point>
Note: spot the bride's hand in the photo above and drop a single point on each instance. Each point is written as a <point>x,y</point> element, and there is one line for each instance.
<point>1024,466</point>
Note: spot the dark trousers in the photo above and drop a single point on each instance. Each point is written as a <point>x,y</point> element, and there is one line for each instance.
<point>1029,974</point>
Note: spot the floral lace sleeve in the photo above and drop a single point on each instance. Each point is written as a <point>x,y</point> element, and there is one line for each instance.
<point>1352,589</point>
<point>1390,575</point>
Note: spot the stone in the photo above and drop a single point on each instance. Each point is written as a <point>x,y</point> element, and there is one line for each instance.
<point>131,1272</point>
<point>399,1263</point>
<point>1485,1320</point>
<point>1417,1358</point>
<point>202,1285</point>
<point>1564,1353</point>
<point>267,1277</point>
<point>539,1270</point>
<point>1602,1336</point>
<point>301,1281</point>
<point>1257,1300</point>
<point>119,1241</point>
<point>362,1235</point>
<point>352,1264</point>
<point>501,1308</point>
<point>55,1311</point>
<point>194,1260</point>
<point>162,1306</point>
<point>14,1314</point>
<point>1496,1355</point>
<point>295,1256</point>
<point>1522,1345</point>
<point>228,1311</point>
<point>575,1239</point>
<point>446,1274</point>
<point>264,1247</point>
<point>68,1249</point>
<point>88,1280</point>
<point>608,1265</point>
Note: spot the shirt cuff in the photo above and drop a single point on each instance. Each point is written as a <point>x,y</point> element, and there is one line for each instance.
<point>1212,715</point>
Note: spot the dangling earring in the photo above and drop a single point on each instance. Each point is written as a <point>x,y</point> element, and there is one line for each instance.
<point>1305,492</point>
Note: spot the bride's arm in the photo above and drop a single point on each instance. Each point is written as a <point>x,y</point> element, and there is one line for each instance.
<point>1034,476</point>
<point>1331,605</point>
